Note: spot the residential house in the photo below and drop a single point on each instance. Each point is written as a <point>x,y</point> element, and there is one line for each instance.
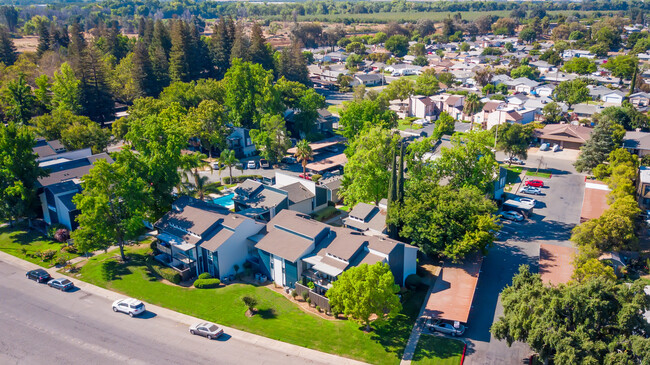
<point>48,150</point>
<point>596,92</point>
<point>640,100</point>
<point>297,247</point>
<point>305,196</point>
<point>613,98</point>
<point>542,66</point>
<point>367,218</point>
<point>509,114</point>
<point>571,53</point>
<point>453,105</point>
<point>196,237</point>
<point>325,121</point>
<point>501,79</point>
<point>545,90</point>
<point>637,142</point>
<point>371,79</point>
<point>239,141</point>
<point>56,190</point>
<point>258,201</point>
<point>522,85</point>
<point>582,111</point>
<point>422,107</point>
<point>568,136</point>
<point>489,107</point>
<point>333,185</point>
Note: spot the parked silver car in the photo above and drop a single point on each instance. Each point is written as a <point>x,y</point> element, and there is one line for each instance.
<point>531,190</point>
<point>445,327</point>
<point>206,329</point>
<point>62,284</point>
<point>512,216</point>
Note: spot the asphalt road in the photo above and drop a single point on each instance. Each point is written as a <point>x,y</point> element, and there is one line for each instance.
<point>41,325</point>
<point>557,212</point>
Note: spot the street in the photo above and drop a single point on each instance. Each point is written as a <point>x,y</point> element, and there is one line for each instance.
<point>556,213</point>
<point>41,325</point>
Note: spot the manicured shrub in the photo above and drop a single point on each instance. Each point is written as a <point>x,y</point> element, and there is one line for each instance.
<point>294,294</point>
<point>207,283</point>
<point>62,260</point>
<point>311,285</point>
<point>309,301</point>
<point>205,275</point>
<point>305,296</point>
<point>47,255</point>
<point>166,273</point>
<point>69,249</point>
<point>318,308</point>
<point>316,177</point>
<point>412,281</point>
<point>154,247</point>
<point>238,179</point>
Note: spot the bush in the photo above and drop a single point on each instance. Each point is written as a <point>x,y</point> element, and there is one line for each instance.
<point>412,281</point>
<point>51,230</point>
<point>47,255</point>
<point>62,260</point>
<point>247,265</point>
<point>311,285</point>
<point>316,177</point>
<point>166,273</point>
<point>205,275</point>
<point>23,251</point>
<point>309,301</point>
<point>69,249</point>
<point>207,283</point>
<point>318,308</point>
<point>62,235</point>
<point>294,294</point>
<point>305,296</point>
<point>154,247</point>
<point>238,179</point>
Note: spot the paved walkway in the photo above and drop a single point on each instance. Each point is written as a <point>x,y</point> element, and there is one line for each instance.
<point>79,259</point>
<point>189,320</point>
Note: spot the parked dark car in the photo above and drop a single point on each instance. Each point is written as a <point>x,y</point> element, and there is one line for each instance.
<point>62,284</point>
<point>39,275</point>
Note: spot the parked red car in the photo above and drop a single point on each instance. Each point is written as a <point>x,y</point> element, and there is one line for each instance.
<point>305,176</point>
<point>535,183</point>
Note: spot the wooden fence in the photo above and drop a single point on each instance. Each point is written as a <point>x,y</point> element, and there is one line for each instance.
<point>316,299</point>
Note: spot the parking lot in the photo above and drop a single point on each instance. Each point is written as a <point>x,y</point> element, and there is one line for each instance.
<point>556,213</point>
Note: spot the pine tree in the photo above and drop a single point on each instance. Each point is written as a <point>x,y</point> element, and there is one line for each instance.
<point>179,69</point>
<point>392,198</point>
<point>96,99</point>
<point>159,54</point>
<point>43,39</point>
<point>259,51</point>
<point>220,47</point>
<point>292,65</point>
<point>143,73</point>
<point>400,181</point>
<point>77,45</point>
<point>240,45</point>
<point>200,63</point>
<point>8,53</point>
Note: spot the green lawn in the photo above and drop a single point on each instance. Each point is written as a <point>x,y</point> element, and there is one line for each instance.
<point>278,318</point>
<point>325,213</point>
<point>540,173</point>
<point>24,243</point>
<point>437,350</point>
<point>335,109</point>
<point>407,123</point>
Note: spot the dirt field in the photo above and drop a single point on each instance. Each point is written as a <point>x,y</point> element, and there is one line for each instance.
<point>26,43</point>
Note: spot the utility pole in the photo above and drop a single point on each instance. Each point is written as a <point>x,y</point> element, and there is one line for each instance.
<point>540,162</point>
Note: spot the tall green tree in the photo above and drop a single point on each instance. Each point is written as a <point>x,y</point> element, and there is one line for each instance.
<point>445,124</point>
<point>208,123</point>
<point>356,115</point>
<point>592,322</point>
<point>8,54</point>
<point>84,133</point>
<point>606,136</point>
<point>227,160</point>
<point>291,64</point>
<point>143,71</point>
<point>43,38</point>
<point>364,291</point>
<point>66,92</point>
<point>220,45</point>
<point>580,66</point>
<point>18,100</point>
<point>19,172</point>
<point>259,50</point>
<point>622,65</point>
<point>179,68</point>
<point>398,45</point>
<point>272,138</point>
<point>514,139</point>
<point>95,96</point>
<point>43,93</point>
<point>571,92</point>
<point>552,113</point>
<point>367,172</point>
<point>445,221</point>
<point>113,205</point>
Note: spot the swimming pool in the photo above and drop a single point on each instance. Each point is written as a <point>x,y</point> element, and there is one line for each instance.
<point>225,201</point>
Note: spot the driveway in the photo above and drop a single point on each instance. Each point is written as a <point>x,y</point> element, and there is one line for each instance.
<point>557,212</point>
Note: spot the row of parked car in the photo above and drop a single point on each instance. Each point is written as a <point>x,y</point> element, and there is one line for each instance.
<point>131,306</point>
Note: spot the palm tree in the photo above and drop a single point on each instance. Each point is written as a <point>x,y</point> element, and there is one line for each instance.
<point>472,106</point>
<point>303,154</point>
<point>227,159</point>
<point>190,165</point>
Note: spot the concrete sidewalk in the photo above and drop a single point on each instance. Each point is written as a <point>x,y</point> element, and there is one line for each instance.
<point>189,320</point>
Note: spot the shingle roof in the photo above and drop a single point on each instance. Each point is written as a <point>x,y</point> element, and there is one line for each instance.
<point>637,140</point>
<point>565,132</point>
<point>362,210</point>
<point>284,244</point>
<point>257,195</point>
<point>70,170</point>
<point>297,192</point>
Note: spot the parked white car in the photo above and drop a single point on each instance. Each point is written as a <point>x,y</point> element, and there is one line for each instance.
<point>445,327</point>
<point>130,306</point>
<point>530,201</point>
<point>556,148</point>
<point>531,190</point>
<point>514,160</point>
<point>512,216</point>
<point>206,329</point>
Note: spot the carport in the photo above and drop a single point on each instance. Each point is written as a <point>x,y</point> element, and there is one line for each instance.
<point>555,263</point>
<point>452,294</point>
<point>595,200</point>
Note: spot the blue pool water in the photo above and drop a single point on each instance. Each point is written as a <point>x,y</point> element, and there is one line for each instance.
<point>225,201</point>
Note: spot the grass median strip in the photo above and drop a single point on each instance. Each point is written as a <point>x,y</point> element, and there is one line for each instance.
<point>437,350</point>
<point>278,318</point>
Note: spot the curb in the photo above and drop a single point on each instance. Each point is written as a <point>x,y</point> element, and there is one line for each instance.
<point>254,339</point>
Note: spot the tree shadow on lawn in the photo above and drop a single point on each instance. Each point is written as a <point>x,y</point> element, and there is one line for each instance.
<point>393,334</point>
<point>112,269</point>
<point>267,313</point>
<point>434,346</point>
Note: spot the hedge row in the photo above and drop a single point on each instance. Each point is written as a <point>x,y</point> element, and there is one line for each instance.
<point>238,179</point>
<point>166,273</point>
<point>206,283</point>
